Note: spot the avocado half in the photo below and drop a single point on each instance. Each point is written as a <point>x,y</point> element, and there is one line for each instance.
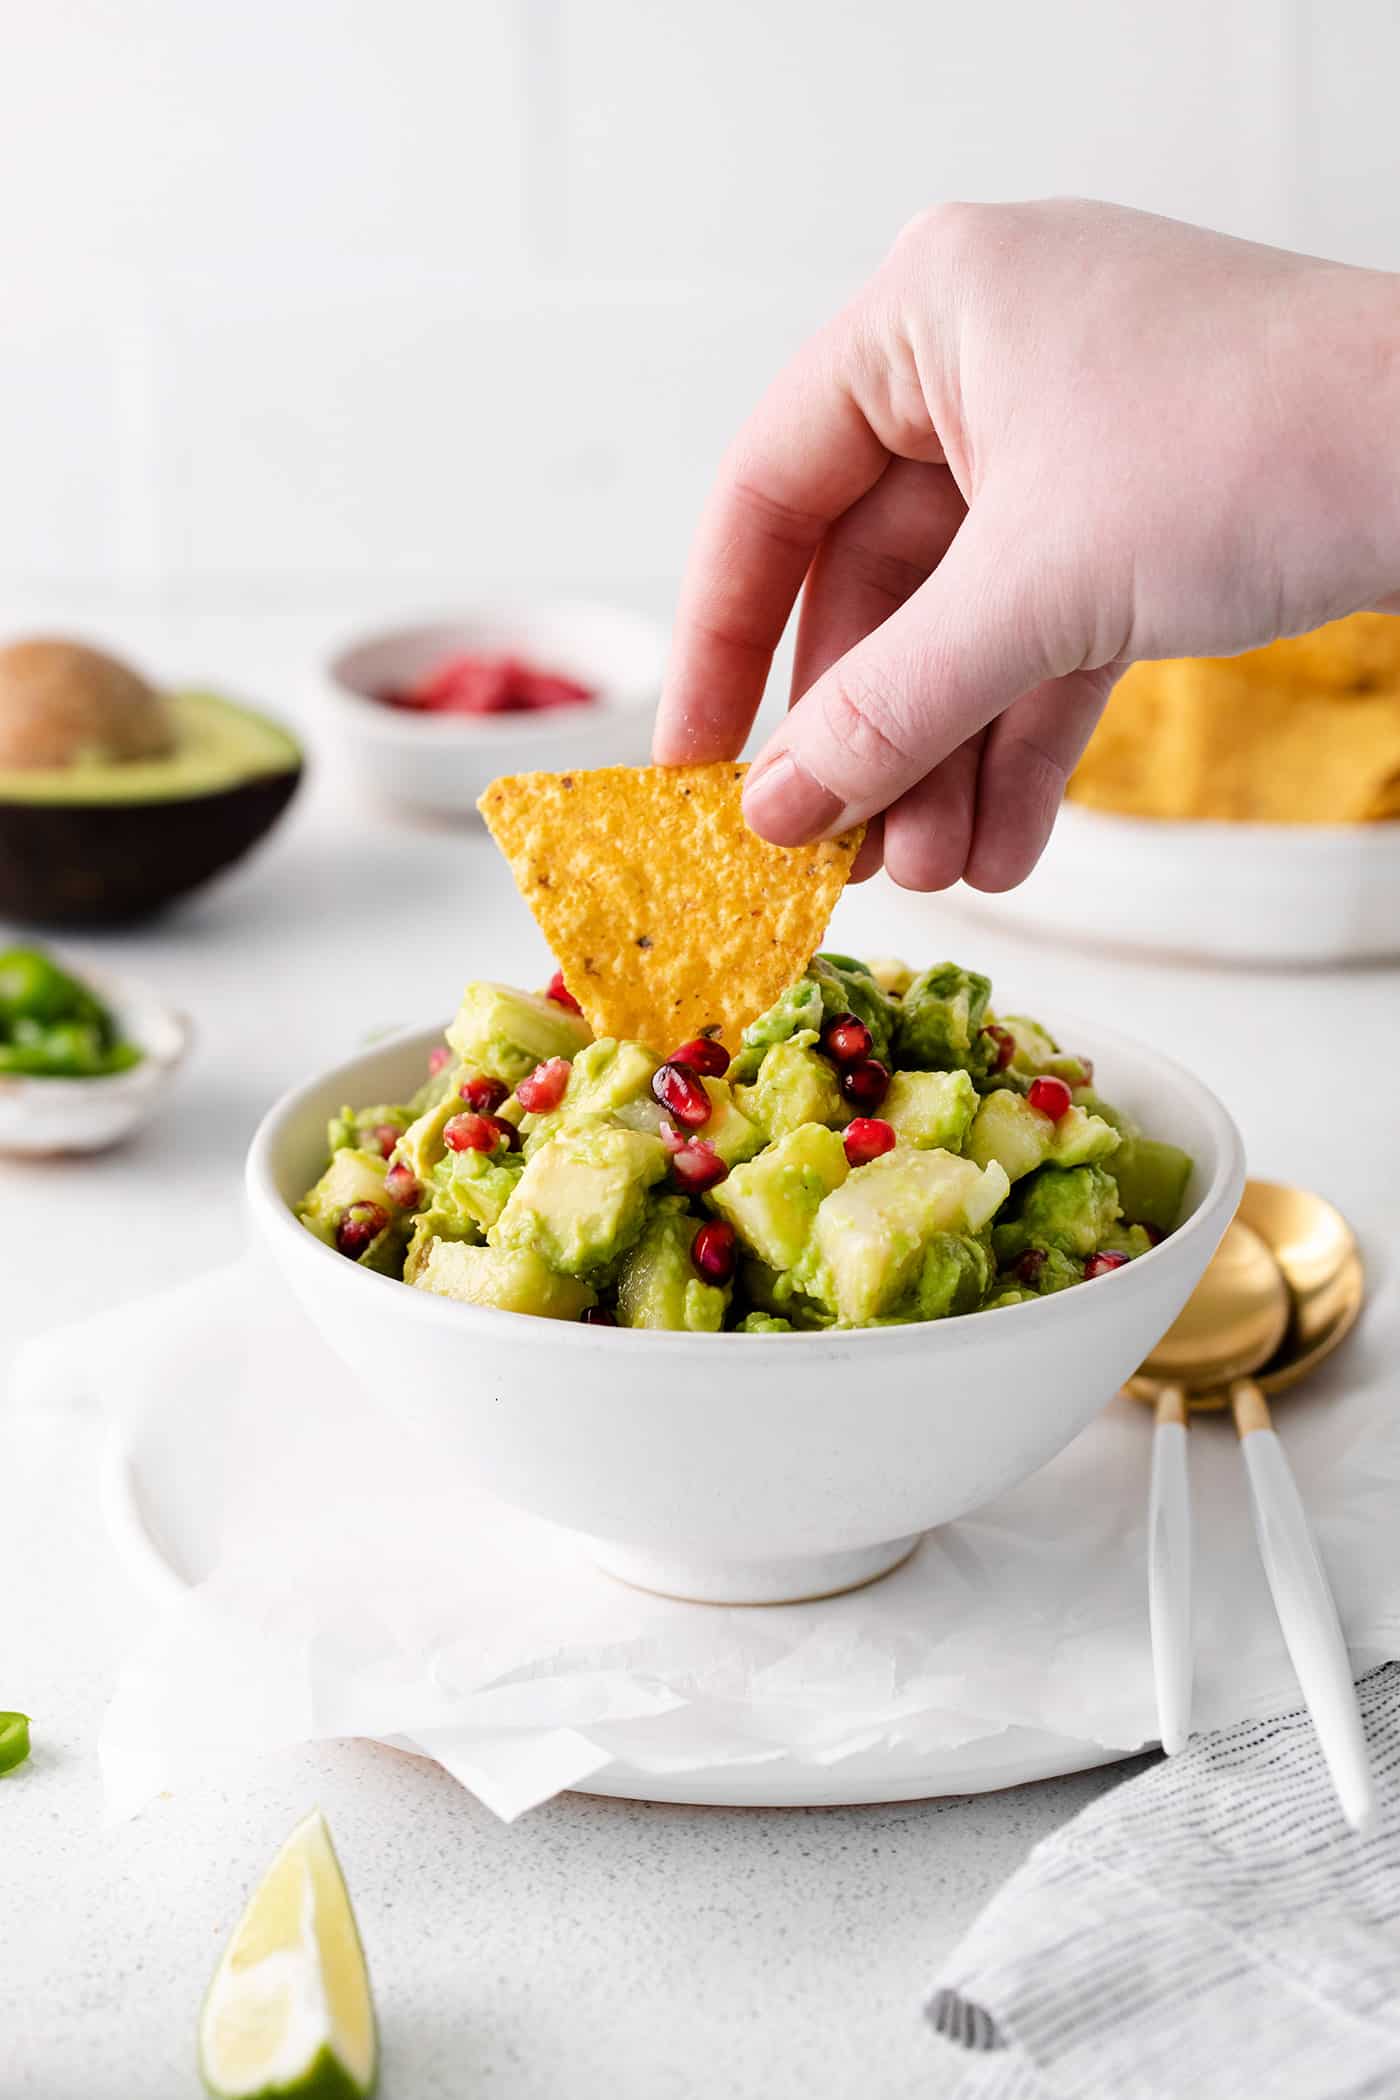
<point>100,840</point>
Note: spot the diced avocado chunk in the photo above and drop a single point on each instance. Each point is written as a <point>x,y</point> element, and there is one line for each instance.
<point>735,1136</point>
<point>352,1177</point>
<point>798,1012</point>
<point>772,1201</point>
<point>1071,1208</point>
<point>763,1323</point>
<point>952,1277</point>
<point>773,1291</point>
<point>581,1200</point>
<point>1094,1104</point>
<point>848,987</point>
<point>1007,1129</point>
<point>1131,1240</point>
<point>1033,1046</point>
<point>422,1144</point>
<point>473,1188</point>
<point>795,1085</point>
<point>940,1019</point>
<point>893,976</point>
<point>1080,1138</point>
<point>931,1109</point>
<point>1151,1178</point>
<point>512,1280</point>
<point>1011,1294</point>
<point>357,1127</point>
<point>657,1285</point>
<point>606,1078</point>
<point>505,1033</point>
<point>870,1234</point>
<point>1051,1271</point>
<point>429,1227</point>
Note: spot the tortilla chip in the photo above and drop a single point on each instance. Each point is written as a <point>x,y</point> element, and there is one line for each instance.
<point>666,914</point>
<point>1306,731</point>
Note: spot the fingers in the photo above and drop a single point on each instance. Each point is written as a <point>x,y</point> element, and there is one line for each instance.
<point>966,645</point>
<point>804,457</point>
<point>928,833</point>
<point>870,857</point>
<point>1026,761</point>
<point>873,559</point>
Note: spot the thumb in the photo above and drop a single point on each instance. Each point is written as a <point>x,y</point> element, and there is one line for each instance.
<point>967,644</point>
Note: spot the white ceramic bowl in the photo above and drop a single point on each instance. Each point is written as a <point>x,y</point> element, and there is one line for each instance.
<point>745,1468</point>
<point>1267,894</point>
<point>441,763</point>
<point>46,1116</point>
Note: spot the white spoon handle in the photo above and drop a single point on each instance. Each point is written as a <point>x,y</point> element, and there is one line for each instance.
<point>1169,1571</point>
<point>1306,1610</point>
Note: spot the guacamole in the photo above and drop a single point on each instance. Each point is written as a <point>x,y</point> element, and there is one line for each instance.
<point>882,1149</point>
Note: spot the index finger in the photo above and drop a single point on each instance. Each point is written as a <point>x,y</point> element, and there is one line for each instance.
<point>803,458</point>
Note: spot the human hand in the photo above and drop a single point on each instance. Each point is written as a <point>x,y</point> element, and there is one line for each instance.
<point>1044,441</point>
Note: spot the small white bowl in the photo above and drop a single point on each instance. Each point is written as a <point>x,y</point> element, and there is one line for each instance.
<point>441,763</point>
<point>1267,894</point>
<point>745,1468</point>
<point>41,1117</point>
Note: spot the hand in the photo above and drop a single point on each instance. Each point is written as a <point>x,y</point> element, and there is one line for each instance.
<point>1044,441</point>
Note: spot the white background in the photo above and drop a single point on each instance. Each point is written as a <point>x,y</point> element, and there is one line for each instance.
<point>332,300</point>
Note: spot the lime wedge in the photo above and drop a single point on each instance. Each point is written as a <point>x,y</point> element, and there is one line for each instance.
<point>14,1740</point>
<point>289,2010</point>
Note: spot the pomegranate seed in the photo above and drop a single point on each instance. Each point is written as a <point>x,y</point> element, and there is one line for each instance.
<point>866,1084</point>
<point>712,1250</point>
<point>1005,1043</point>
<point>1051,1096</point>
<point>846,1040</point>
<point>472,1133</point>
<point>1154,1233</point>
<point>506,1132</point>
<point>1030,1266</point>
<point>598,1316</point>
<point>543,1089</point>
<point>559,992</point>
<point>483,1094</point>
<point>680,1093</point>
<point>866,1137</point>
<point>703,1054</point>
<point>385,1136</point>
<point>1086,1066</point>
<point>438,1060</point>
<point>360,1223</point>
<point>671,1137</point>
<point>401,1186</point>
<point>1100,1264</point>
<point>697,1166</point>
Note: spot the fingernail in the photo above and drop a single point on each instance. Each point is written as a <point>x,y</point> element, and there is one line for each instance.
<point>785,805</point>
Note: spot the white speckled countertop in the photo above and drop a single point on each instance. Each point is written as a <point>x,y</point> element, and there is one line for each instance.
<point>597,1949</point>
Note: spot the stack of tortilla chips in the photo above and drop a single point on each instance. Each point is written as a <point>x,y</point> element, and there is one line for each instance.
<point>1303,732</point>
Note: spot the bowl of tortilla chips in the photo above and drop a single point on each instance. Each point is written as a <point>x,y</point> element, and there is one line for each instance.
<point>1242,809</point>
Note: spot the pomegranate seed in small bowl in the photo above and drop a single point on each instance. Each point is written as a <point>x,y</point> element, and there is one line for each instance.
<point>483,1094</point>
<point>544,1088</point>
<point>866,1084</point>
<point>472,1133</point>
<point>866,1138</point>
<point>559,992</point>
<point>401,1187</point>
<point>1051,1096</point>
<point>438,1060</point>
<point>697,1166</point>
<point>703,1054</point>
<point>1100,1264</point>
<point>713,1250</point>
<point>1004,1042</point>
<point>360,1225</point>
<point>846,1040</point>
<point>681,1094</point>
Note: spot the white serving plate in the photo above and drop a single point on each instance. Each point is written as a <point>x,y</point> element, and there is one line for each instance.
<point>40,1117</point>
<point>441,763</point>
<point>1240,893</point>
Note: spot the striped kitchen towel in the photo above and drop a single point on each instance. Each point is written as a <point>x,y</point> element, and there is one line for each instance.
<point>1211,1930</point>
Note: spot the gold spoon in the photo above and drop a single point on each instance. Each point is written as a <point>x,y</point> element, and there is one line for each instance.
<point>1230,1327</point>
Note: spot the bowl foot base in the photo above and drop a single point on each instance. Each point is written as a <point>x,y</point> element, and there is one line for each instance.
<point>797,1581</point>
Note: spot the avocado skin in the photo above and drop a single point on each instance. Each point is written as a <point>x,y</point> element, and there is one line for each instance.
<point>106,863</point>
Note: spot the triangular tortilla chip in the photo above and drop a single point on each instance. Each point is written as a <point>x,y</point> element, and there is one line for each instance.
<point>666,914</point>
